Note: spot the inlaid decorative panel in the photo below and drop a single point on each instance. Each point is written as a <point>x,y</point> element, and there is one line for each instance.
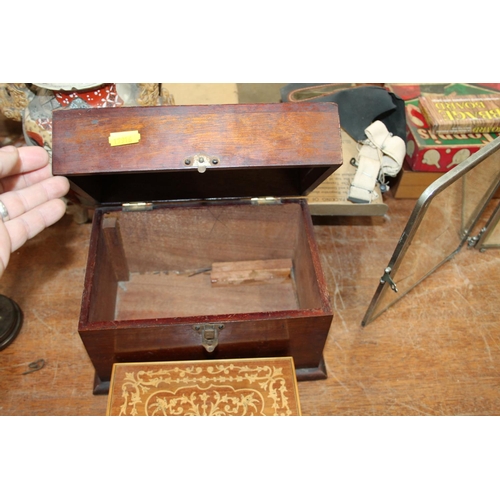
<point>238,387</point>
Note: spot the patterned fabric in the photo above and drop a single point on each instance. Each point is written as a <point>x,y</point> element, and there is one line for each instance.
<point>102,97</point>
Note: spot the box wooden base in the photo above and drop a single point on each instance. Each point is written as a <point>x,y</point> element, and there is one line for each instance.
<point>235,387</point>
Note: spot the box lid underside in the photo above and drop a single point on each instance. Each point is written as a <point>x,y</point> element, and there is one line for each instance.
<point>251,150</point>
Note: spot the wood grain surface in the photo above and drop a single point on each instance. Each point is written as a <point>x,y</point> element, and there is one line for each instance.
<point>241,135</point>
<point>248,150</point>
<point>155,295</point>
<point>251,272</point>
<point>436,352</point>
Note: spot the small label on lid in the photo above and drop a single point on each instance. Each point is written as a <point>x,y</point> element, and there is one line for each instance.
<point>122,138</point>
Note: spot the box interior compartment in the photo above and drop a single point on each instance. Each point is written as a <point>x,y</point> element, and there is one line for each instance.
<point>158,264</point>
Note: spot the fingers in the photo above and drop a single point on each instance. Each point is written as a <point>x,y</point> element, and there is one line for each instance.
<point>29,224</point>
<point>15,182</point>
<point>9,158</point>
<point>15,161</point>
<point>22,167</point>
<point>31,196</point>
<point>24,200</point>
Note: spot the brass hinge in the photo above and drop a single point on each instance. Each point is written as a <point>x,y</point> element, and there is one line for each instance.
<point>139,206</point>
<point>209,335</point>
<point>266,200</point>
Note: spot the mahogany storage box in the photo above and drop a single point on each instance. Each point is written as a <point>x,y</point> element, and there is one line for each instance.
<point>202,245</point>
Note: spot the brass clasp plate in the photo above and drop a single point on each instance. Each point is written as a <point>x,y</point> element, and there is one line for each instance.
<point>209,335</point>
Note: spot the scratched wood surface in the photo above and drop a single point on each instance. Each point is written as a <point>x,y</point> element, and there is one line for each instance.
<point>436,352</point>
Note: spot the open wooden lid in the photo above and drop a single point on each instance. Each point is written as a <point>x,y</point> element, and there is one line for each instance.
<point>127,154</point>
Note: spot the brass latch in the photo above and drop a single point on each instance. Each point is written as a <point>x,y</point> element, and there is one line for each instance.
<point>201,161</point>
<point>209,335</point>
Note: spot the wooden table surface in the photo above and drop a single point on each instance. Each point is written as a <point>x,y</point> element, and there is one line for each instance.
<point>437,352</point>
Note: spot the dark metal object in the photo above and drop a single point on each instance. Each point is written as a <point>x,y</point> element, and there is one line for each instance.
<point>35,366</point>
<point>489,235</point>
<point>11,319</point>
<point>386,278</point>
<point>199,271</point>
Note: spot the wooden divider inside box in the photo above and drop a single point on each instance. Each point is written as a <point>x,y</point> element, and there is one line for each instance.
<point>169,263</point>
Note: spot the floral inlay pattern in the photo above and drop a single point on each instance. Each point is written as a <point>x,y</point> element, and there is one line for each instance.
<point>239,388</point>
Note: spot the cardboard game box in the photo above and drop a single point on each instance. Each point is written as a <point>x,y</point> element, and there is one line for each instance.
<point>461,114</point>
<point>437,152</point>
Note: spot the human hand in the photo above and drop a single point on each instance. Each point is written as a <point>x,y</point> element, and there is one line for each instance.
<point>29,196</point>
